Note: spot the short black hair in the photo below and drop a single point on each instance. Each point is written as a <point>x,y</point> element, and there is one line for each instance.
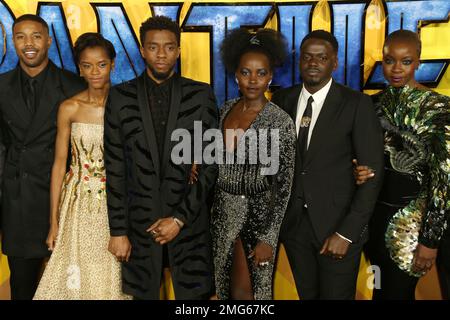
<point>159,23</point>
<point>322,35</point>
<point>30,17</point>
<point>405,35</point>
<point>240,41</point>
<point>91,40</point>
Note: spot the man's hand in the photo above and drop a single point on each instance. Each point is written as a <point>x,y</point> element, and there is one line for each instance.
<point>120,247</point>
<point>335,247</point>
<point>164,230</point>
<point>424,258</point>
<point>362,173</point>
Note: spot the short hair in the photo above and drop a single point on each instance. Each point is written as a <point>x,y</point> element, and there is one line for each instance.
<point>31,17</point>
<point>405,35</point>
<point>159,23</point>
<point>322,35</point>
<point>92,40</point>
<point>240,41</point>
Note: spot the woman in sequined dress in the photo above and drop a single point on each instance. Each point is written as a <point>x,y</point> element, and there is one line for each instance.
<point>410,217</point>
<point>80,266</point>
<point>249,204</point>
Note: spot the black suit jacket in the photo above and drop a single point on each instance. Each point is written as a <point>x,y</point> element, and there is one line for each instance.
<point>141,189</point>
<point>27,146</point>
<point>347,128</point>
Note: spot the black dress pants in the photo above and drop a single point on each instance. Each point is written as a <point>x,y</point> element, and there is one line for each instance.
<point>24,277</point>
<point>317,276</point>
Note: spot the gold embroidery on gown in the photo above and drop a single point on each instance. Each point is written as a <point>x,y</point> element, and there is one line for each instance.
<point>81,267</point>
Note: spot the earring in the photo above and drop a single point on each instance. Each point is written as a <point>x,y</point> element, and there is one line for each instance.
<point>236,79</point>
<point>269,83</point>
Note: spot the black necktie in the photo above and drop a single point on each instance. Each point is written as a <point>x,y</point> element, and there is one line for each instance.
<point>30,95</point>
<point>303,132</point>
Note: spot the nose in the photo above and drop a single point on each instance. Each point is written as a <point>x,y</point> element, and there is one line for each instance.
<point>95,70</point>
<point>253,77</point>
<point>161,53</point>
<point>397,67</point>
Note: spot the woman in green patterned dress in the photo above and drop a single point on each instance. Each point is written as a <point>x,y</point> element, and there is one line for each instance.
<point>411,212</point>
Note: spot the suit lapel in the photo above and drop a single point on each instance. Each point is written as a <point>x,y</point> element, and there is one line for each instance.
<point>15,98</point>
<point>147,120</point>
<point>50,98</point>
<point>325,121</point>
<point>175,101</point>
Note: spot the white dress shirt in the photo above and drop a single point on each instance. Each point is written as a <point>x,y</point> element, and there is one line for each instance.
<point>319,99</point>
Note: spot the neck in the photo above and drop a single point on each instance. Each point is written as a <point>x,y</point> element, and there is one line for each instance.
<point>159,81</point>
<point>98,96</point>
<point>255,104</point>
<point>314,88</point>
<point>34,71</point>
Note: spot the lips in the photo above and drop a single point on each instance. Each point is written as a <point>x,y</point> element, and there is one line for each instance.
<point>312,71</point>
<point>30,53</point>
<point>396,79</point>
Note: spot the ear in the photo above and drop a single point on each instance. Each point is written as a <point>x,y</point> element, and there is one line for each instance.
<point>141,49</point>
<point>179,52</point>
<point>49,41</point>
<point>336,63</point>
<point>113,65</point>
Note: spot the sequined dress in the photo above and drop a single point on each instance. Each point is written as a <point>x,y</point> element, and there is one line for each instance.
<point>249,204</point>
<point>414,203</point>
<point>81,267</point>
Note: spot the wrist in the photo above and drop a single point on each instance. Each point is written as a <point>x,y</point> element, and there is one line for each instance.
<point>178,222</point>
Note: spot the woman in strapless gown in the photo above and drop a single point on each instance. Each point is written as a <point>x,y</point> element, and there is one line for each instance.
<point>81,267</point>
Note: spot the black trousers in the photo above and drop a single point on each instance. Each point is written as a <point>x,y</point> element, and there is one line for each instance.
<point>395,284</point>
<point>443,264</point>
<point>24,277</point>
<point>317,276</point>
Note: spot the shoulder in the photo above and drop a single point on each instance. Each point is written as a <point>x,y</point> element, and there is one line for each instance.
<point>6,78</point>
<point>281,93</point>
<point>70,106</point>
<point>191,83</point>
<point>278,117</point>
<point>348,93</point>
<point>125,89</point>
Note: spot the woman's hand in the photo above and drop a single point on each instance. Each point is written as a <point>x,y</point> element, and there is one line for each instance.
<point>52,235</point>
<point>424,258</point>
<point>362,173</point>
<point>193,176</point>
<point>262,254</point>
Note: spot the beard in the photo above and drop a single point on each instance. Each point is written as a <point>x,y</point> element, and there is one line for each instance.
<point>160,75</point>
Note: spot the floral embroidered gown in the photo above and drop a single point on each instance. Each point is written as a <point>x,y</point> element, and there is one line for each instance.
<point>81,267</point>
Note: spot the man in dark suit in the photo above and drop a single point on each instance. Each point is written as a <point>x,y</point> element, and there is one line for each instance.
<point>325,224</point>
<point>30,96</point>
<point>156,218</point>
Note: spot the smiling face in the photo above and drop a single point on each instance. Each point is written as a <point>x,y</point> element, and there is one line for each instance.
<point>31,41</point>
<point>400,61</point>
<point>95,67</point>
<point>318,60</point>
<point>253,75</point>
<point>160,51</point>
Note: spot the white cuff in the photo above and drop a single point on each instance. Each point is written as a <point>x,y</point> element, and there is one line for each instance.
<point>342,237</point>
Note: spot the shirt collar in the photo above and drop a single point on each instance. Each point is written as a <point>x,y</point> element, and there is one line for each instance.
<point>320,96</point>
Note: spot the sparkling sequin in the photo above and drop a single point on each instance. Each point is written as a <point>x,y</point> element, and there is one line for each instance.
<point>251,206</point>
<point>417,140</point>
<point>81,266</point>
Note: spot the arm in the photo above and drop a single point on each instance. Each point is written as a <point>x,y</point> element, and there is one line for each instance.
<point>438,192</point>
<point>282,183</point>
<point>367,142</point>
<point>116,188</point>
<point>65,112</point>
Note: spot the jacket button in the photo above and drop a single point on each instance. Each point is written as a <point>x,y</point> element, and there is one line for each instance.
<point>25,175</point>
<point>303,172</point>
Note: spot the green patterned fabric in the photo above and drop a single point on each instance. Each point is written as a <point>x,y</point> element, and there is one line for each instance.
<point>417,140</point>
